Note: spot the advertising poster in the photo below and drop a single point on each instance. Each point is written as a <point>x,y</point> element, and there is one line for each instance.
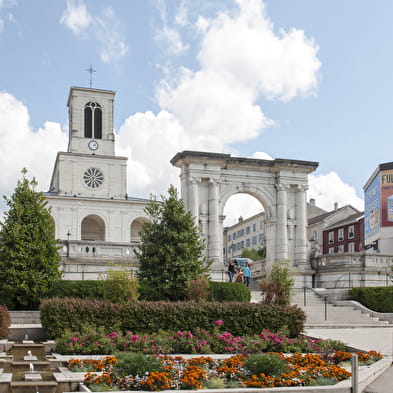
<point>386,178</point>
<point>372,209</point>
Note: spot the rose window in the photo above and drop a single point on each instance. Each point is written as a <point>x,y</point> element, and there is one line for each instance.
<point>93,177</point>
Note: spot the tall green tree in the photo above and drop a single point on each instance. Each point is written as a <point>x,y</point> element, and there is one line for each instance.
<point>29,258</point>
<point>171,250</point>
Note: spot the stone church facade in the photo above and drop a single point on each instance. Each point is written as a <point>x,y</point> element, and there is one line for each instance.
<point>96,222</point>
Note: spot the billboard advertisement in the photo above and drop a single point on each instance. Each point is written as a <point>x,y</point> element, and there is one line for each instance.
<point>386,182</point>
<point>372,209</point>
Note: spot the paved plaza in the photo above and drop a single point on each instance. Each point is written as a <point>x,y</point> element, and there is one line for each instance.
<point>379,339</point>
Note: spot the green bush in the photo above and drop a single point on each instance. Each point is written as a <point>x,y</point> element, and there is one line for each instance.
<point>84,289</point>
<point>229,292</point>
<point>98,289</point>
<point>378,299</point>
<point>265,363</point>
<point>4,322</point>
<point>239,318</point>
<point>133,364</point>
<point>120,286</point>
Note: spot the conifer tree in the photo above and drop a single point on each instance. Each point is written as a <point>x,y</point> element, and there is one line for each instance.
<point>29,258</point>
<point>171,250</point>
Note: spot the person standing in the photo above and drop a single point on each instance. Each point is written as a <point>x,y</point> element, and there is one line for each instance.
<point>247,273</point>
<point>240,276</point>
<point>231,270</point>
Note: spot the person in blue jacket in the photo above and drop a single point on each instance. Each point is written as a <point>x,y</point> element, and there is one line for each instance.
<point>247,273</point>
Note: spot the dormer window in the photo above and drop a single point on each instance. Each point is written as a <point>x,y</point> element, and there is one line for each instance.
<point>93,120</point>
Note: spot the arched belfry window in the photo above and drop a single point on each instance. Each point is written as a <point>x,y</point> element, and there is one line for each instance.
<point>93,120</point>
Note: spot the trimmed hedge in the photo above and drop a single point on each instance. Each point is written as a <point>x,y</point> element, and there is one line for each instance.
<point>95,289</point>
<point>5,321</point>
<point>378,299</point>
<point>229,292</point>
<point>149,317</point>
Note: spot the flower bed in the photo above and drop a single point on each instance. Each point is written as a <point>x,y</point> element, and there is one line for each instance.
<point>97,341</point>
<point>254,371</point>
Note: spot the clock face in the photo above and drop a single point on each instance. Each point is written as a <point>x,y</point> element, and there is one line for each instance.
<point>93,145</point>
<point>93,177</point>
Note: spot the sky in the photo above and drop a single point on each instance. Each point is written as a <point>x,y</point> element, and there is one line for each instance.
<point>296,79</point>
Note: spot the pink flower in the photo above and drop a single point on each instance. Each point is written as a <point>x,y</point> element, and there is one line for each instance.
<point>69,344</point>
<point>180,334</point>
<point>74,339</point>
<point>218,322</point>
<point>134,338</point>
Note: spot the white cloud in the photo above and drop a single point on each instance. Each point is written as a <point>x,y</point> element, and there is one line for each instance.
<point>25,148</point>
<point>6,16</point>
<point>105,29</point>
<point>262,155</point>
<point>215,106</point>
<point>76,17</point>
<point>150,141</point>
<point>172,40</point>
<point>329,188</point>
<point>168,37</point>
<point>181,16</point>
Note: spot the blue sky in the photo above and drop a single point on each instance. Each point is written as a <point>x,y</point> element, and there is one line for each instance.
<point>308,80</point>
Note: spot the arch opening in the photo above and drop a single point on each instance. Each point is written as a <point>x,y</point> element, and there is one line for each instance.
<point>243,227</point>
<point>136,228</point>
<point>93,228</point>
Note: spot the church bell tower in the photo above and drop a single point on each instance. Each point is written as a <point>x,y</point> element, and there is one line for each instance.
<point>90,168</point>
<point>91,121</point>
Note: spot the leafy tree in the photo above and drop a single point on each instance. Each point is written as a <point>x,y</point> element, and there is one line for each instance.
<point>277,286</point>
<point>29,258</point>
<point>255,255</point>
<point>171,250</point>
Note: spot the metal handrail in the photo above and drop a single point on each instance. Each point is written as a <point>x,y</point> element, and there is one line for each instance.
<point>324,297</point>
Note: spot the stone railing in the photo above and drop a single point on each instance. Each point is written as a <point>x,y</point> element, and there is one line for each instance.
<point>89,260</point>
<point>348,270</point>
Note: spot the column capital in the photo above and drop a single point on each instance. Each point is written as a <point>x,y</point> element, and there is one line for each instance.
<point>301,187</point>
<point>193,180</point>
<point>282,187</point>
<point>213,182</point>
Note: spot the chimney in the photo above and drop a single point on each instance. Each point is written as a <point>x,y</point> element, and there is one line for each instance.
<point>335,205</point>
<point>312,202</point>
<point>240,219</point>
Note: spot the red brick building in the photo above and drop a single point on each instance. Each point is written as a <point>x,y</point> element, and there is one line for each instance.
<point>346,235</point>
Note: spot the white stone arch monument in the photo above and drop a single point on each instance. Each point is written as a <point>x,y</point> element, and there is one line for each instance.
<point>209,179</point>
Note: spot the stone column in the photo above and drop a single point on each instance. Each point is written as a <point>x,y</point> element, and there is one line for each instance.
<point>282,235</point>
<point>194,199</point>
<point>214,225</point>
<point>301,226</point>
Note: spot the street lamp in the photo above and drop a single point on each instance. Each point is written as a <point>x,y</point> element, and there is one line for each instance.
<point>68,243</point>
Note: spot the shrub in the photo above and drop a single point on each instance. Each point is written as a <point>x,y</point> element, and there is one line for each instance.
<point>229,292</point>
<point>378,299</point>
<point>83,289</point>
<point>4,322</point>
<point>96,289</point>
<point>277,287</point>
<point>197,290</point>
<point>119,286</point>
<point>265,363</point>
<point>150,317</point>
<point>133,364</point>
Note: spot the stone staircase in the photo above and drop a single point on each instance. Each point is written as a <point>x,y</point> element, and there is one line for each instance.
<point>322,314</point>
<point>26,323</point>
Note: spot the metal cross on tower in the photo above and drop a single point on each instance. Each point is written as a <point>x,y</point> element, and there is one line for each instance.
<point>91,70</point>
